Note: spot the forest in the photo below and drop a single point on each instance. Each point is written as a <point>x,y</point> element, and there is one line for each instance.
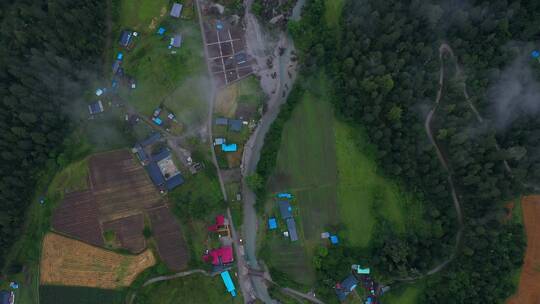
<point>49,52</point>
<point>385,63</point>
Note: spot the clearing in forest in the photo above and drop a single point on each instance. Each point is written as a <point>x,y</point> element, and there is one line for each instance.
<point>529,282</point>
<point>65,261</point>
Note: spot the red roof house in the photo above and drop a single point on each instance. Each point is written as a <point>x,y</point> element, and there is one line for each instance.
<point>221,256</point>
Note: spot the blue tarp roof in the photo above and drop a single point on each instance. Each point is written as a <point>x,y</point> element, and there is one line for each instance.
<point>120,56</point>
<point>272,223</point>
<point>229,147</point>
<point>161,31</point>
<point>235,125</point>
<point>334,239</point>
<point>176,10</point>
<point>284,195</point>
<point>226,277</point>
<point>291,226</point>
<point>535,54</point>
<point>157,121</point>
<point>174,182</point>
<point>155,174</point>
<point>221,121</point>
<point>125,38</point>
<point>151,139</point>
<point>161,155</point>
<point>285,209</point>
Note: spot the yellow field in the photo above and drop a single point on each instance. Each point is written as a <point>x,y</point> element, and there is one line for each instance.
<point>65,261</point>
<point>226,101</point>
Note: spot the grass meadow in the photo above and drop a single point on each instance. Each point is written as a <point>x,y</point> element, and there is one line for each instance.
<point>194,289</point>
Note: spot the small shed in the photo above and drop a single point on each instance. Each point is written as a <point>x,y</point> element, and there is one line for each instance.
<point>284,195</point>
<point>325,235</point>
<point>116,66</point>
<point>219,141</point>
<point>226,277</point>
<point>161,31</point>
<point>229,147</point>
<point>235,125</point>
<point>361,270</point>
<point>334,239</point>
<point>291,226</point>
<point>125,38</point>
<point>176,10</point>
<point>157,121</point>
<point>221,121</point>
<point>272,223</point>
<point>176,41</point>
<point>285,209</point>
<point>99,92</point>
<point>96,108</point>
<point>119,56</point>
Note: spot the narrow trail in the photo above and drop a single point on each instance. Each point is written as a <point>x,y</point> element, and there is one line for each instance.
<point>444,48</point>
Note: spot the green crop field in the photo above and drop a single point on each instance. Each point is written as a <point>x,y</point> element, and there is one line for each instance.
<point>50,294</point>
<point>193,289</point>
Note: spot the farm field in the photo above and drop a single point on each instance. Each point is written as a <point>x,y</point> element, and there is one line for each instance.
<point>65,261</point>
<point>52,294</point>
<point>528,291</point>
<point>176,81</point>
<point>194,289</point>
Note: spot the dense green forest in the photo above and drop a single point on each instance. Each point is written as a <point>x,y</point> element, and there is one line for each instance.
<point>385,62</point>
<point>49,51</point>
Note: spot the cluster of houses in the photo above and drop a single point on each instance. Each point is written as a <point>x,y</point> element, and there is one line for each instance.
<point>160,166</point>
<point>285,210</point>
<point>221,258</point>
<point>360,276</point>
<point>233,125</point>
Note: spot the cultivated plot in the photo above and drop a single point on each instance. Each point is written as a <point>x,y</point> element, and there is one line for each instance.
<point>65,261</point>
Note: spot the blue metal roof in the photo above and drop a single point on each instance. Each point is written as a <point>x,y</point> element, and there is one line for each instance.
<point>272,223</point>
<point>226,277</point>
<point>155,174</point>
<point>285,209</point>
<point>176,10</point>
<point>347,286</point>
<point>235,125</point>
<point>5,297</point>
<point>151,139</point>
<point>229,147</point>
<point>125,38</point>
<point>140,153</point>
<point>221,121</point>
<point>96,107</point>
<point>161,155</point>
<point>291,226</point>
<point>174,182</point>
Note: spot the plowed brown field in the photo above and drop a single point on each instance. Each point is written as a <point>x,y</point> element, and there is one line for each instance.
<point>65,261</point>
<point>529,283</point>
